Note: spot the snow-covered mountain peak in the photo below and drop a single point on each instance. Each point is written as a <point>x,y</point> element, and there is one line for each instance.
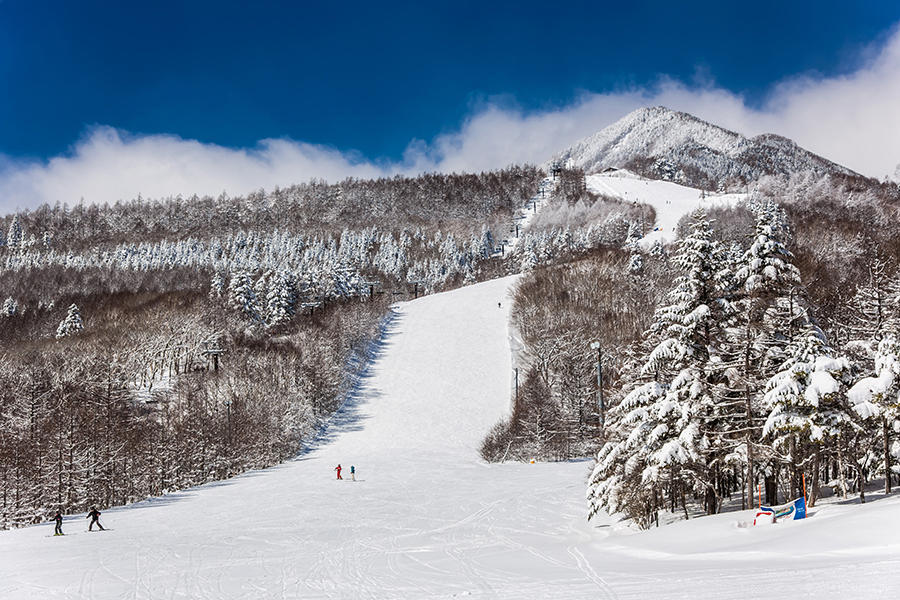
<point>661,143</point>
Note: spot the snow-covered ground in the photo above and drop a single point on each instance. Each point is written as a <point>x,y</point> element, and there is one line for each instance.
<point>670,200</point>
<point>428,519</point>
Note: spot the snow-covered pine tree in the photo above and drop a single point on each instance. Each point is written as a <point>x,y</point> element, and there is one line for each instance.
<point>487,242</point>
<point>241,295</point>
<point>662,439</point>
<point>72,324</point>
<point>771,281</point>
<point>807,406</point>
<point>216,286</point>
<point>633,238</point>
<point>616,483</point>
<point>768,308</point>
<point>877,397</point>
<point>10,307</point>
<point>636,264</point>
<point>529,259</point>
<point>281,299</point>
<point>15,236</point>
<point>633,245</point>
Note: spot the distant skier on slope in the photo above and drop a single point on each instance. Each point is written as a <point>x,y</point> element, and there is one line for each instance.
<point>94,516</point>
<point>352,473</point>
<point>338,469</point>
<point>58,518</point>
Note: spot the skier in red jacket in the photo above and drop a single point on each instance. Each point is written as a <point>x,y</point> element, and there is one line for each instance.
<point>338,469</point>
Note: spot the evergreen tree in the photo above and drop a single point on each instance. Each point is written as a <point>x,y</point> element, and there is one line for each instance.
<point>877,397</point>
<point>770,281</point>
<point>281,299</point>
<point>529,259</point>
<point>217,286</point>
<point>769,308</point>
<point>241,295</point>
<point>662,423</point>
<point>487,242</point>
<point>72,324</point>
<point>807,404</point>
<point>15,236</point>
<point>260,293</point>
<point>10,307</point>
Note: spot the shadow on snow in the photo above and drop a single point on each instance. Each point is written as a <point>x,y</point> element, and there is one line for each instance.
<point>348,417</point>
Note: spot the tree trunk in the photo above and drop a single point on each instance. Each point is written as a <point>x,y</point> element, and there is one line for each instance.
<point>655,506</point>
<point>841,468</point>
<point>862,485</point>
<point>814,492</point>
<point>750,474</point>
<point>771,489</point>
<point>672,491</point>
<point>887,455</point>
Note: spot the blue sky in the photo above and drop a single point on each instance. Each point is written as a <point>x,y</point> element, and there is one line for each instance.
<point>371,76</point>
<point>368,79</point>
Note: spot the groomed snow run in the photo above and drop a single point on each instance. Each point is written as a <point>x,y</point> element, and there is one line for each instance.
<point>428,519</point>
<point>670,200</point>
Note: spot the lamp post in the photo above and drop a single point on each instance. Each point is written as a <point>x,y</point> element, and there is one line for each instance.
<point>228,436</point>
<point>596,346</point>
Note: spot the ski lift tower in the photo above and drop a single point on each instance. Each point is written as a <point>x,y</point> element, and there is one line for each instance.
<point>556,168</point>
<point>416,284</point>
<point>212,352</point>
<point>515,227</point>
<point>371,285</point>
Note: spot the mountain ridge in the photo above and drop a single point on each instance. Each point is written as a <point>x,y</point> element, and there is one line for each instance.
<point>661,143</point>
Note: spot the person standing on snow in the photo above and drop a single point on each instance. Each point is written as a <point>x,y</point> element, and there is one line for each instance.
<point>94,516</point>
<point>338,469</point>
<point>352,473</point>
<point>58,518</point>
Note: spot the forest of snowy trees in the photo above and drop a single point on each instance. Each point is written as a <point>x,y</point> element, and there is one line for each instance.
<point>769,361</point>
<point>738,383</point>
<point>153,345</point>
<point>150,346</point>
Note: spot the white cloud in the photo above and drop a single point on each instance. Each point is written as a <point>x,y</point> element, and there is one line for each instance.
<point>851,119</point>
<point>108,165</point>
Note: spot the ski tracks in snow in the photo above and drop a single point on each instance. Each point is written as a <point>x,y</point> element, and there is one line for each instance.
<point>431,520</point>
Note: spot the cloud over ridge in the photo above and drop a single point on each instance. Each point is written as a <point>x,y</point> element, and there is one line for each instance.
<point>850,118</point>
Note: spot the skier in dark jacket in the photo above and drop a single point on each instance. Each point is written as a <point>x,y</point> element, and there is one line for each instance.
<point>352,473</point>
<point>94,516</point>
<point>58,518</point>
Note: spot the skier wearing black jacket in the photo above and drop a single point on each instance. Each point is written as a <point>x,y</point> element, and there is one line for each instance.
<point>94,516</point>
<point>58,518</point>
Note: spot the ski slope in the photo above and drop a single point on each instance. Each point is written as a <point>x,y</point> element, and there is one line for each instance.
<point>670,200</point>
<point>428,519</point>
